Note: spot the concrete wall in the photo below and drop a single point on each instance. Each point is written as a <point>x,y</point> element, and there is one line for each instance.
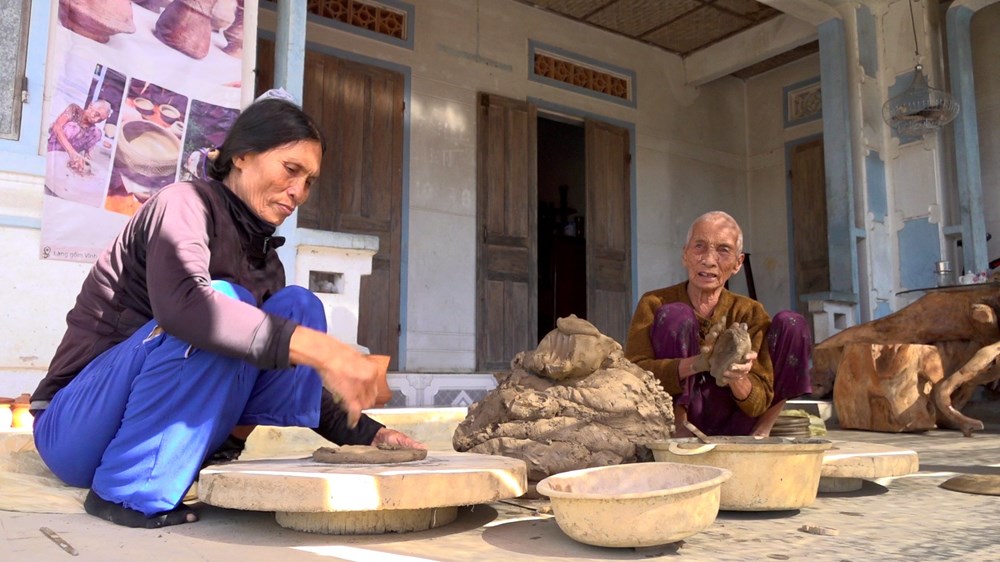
<point>767,140</point>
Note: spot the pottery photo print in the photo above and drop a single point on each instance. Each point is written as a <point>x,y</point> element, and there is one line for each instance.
<point>86,107</point>
<point>149,145</point>
<point>139,91</point>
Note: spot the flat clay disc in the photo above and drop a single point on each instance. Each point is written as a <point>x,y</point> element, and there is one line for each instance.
<point>366,454</point>
<point>983,484</point>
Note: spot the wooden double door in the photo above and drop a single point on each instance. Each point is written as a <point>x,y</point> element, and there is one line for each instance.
<point>810,247</point>
<point>359,108</point>
<point>507,245</point>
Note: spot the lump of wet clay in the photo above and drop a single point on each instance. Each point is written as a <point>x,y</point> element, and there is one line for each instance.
<point>573,402</point>
<point>574,349</point>
<point>366,454</point>
<point>731,346</point>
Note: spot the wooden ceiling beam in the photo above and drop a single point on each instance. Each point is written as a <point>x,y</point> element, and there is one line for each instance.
<point>754,45</point>
<point>813,12</point>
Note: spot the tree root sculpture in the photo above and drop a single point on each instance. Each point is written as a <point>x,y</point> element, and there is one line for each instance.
<point>937,319</point>
<point>981,369</point>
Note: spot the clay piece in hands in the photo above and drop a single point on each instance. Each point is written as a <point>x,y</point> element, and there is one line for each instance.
<point>730,348</point>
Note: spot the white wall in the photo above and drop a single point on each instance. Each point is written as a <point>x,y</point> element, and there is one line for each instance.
<point>767,184</point>
<point>36,294</point>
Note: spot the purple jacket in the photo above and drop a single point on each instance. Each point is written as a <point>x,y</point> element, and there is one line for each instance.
<point>161,266</point>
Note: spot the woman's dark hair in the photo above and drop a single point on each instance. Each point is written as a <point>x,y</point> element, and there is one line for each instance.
<point>263,126</point>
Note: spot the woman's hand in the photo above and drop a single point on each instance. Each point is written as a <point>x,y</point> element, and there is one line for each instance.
<point>396,440</point>
<point>77,162</point>
<point>700,363</point>
<point>345,372</point>
<point>737,377</point>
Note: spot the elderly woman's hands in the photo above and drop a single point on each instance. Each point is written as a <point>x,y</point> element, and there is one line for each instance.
<point>737,377</point>
<point>350,376</point>
<point>701,361</point>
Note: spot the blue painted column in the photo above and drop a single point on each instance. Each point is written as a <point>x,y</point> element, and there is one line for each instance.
<point>838,150</point>
<point>289,73</point>
<point>970,181</point>
<point>290,46</point>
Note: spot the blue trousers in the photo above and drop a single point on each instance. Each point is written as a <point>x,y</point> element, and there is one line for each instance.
<point>138,422</point>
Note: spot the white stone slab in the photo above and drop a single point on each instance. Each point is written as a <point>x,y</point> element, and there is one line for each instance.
<point>847,463</point>
<point>363,498</point>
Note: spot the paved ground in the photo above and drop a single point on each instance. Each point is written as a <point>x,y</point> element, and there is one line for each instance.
<point>909,518</point>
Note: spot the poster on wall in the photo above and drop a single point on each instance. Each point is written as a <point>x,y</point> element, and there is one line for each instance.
<point>138,91</point>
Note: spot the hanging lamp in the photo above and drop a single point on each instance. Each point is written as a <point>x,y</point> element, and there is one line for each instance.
<point>920,108</point>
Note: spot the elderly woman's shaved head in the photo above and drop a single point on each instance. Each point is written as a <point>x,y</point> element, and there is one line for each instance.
<point>718,217</point>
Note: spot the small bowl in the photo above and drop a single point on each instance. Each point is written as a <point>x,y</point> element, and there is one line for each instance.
<point>148,149</point>
<point>635,505</point>
<point>169,113</point>
<point>143,106</point>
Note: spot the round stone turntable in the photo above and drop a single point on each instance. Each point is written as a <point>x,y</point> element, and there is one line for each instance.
<point>849,463</point>
<point>317,497</point>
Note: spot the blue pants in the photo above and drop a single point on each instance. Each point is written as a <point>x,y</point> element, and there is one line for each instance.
<point>136,424</point>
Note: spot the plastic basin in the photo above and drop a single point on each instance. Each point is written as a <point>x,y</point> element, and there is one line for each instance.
<point>770,474</point>
<point>635,505</point>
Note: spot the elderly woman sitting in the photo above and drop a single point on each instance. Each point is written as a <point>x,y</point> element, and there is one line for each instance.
<point>672,336</point>
<point>75,131</point>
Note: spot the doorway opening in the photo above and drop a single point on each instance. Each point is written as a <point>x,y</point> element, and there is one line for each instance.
<point>562,207</point>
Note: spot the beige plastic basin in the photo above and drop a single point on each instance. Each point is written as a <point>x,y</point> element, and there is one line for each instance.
<point>770,474</point>
<point>634,505</point>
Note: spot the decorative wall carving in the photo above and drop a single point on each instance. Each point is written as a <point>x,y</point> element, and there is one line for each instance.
<point>579,73</point>
<point>372,16</point>
<point>803,102</point>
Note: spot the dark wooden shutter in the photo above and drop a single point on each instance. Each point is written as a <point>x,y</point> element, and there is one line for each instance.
<point>608,229</point>
<point>811,250</point>
<point>506,249</point>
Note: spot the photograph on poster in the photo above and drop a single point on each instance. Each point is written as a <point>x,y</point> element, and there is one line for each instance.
<point>81,133</point>
<point>207,34</point>
<point>149,145</point>
<point>206,129</point>
<point>166,54</point>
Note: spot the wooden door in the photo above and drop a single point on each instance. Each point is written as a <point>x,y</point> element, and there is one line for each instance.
<point>609,230</point>
<point>507,245</point>
<point>811,252</point>
<point>360,111</point>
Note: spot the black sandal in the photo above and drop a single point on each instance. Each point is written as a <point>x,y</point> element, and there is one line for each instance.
<point>126,517</point>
